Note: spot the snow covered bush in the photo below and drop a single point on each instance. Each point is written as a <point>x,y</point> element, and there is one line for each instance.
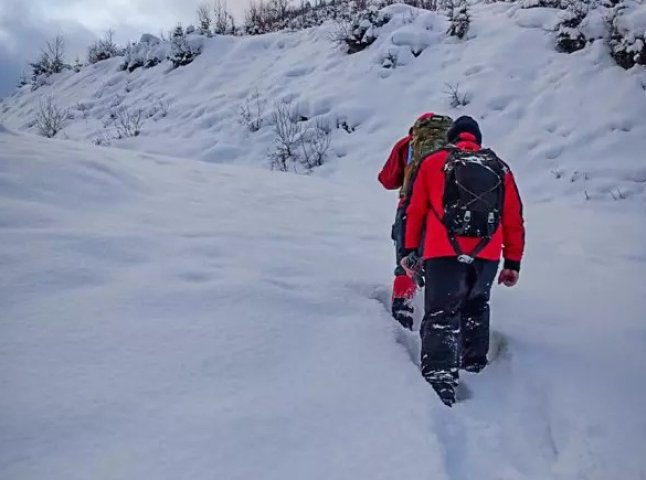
<point>570,38</point>
<point>158,110</point>
<point>103,49</point>
<point>361,30</point>
<point>560,4</point>
<point>204,20</point>
<point>459,18</point>
<point>390,59</point>
<point>23,80</point>
<point>297,145</point>
<point>184,48</point>
<point>252,111</point>
<point>127,122</point>
<point>422,4</point>
<point>50,61</point>
<point>50,118</point>
<point>315,143</point>
<point>308,15</point>
<point>287,130</point>
<point>628,34</point>
<point>271,16</point>
<point>149,52</point>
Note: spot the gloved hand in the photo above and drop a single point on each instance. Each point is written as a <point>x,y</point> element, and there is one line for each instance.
<point>413,266</point>
<point>508,277</point>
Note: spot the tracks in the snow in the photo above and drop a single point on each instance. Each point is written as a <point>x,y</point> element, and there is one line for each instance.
<point>501,426</point>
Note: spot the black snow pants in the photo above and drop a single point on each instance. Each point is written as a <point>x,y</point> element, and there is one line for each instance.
<point>455,329</point>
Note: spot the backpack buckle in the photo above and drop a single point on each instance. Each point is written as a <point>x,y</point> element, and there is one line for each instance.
<point>466,259</point>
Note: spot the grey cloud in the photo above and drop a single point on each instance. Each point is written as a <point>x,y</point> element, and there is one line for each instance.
<point>25,26</point>
<point>24,31</point>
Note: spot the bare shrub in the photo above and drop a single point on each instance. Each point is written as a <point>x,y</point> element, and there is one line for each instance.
<point>315,143</point>
<point>457,98</point>
<point>83,108</point>
<point>50,118</point>
<point>288,131</point>
<point>297,144</point>
<point>251,112</point>
<point>158,110</point>
<point>127,122</point>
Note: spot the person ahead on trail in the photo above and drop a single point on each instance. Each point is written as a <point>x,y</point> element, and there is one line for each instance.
<point>466,200</point>
<point>426,135</point>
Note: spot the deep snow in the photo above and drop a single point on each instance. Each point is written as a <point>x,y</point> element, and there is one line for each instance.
<point>174,319</point>
<point>165,317</point>
<point>570,125</point>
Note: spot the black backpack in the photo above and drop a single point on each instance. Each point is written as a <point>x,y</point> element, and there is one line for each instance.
<point>474,193</point>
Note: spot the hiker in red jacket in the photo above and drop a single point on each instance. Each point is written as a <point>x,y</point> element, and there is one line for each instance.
<point>429,131</point>
<point>466,200</point>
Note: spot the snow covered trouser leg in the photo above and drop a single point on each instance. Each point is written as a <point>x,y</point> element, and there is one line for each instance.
<point>456,318</point>
<point>475,316</point>
<point>446,291</point>
<point>404,287</point>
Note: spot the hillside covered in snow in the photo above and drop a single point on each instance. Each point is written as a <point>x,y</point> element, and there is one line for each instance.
<point>575,119</point>
<point>171,308</point>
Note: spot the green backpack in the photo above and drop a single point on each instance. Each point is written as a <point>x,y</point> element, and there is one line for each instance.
<point>429,135</point>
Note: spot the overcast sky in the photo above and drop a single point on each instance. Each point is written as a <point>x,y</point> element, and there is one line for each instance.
<point>25,26</point>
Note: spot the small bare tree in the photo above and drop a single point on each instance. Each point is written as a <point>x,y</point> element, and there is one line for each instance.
<point>50,61</point>
<point>56,50</point>
<point>50,118</point>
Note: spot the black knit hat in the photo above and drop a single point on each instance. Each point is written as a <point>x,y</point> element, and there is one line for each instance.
<point>464,125</point>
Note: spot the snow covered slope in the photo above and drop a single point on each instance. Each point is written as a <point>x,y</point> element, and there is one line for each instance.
<point>168,318</point>
<point>165,317</point>
<point>574,122</point>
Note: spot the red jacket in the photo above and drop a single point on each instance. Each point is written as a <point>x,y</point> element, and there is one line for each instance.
<point>392,173</point>
<point>428,192</point>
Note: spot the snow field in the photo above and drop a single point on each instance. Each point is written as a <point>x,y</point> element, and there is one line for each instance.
<point>168,318</point>
<point>185,317</point>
